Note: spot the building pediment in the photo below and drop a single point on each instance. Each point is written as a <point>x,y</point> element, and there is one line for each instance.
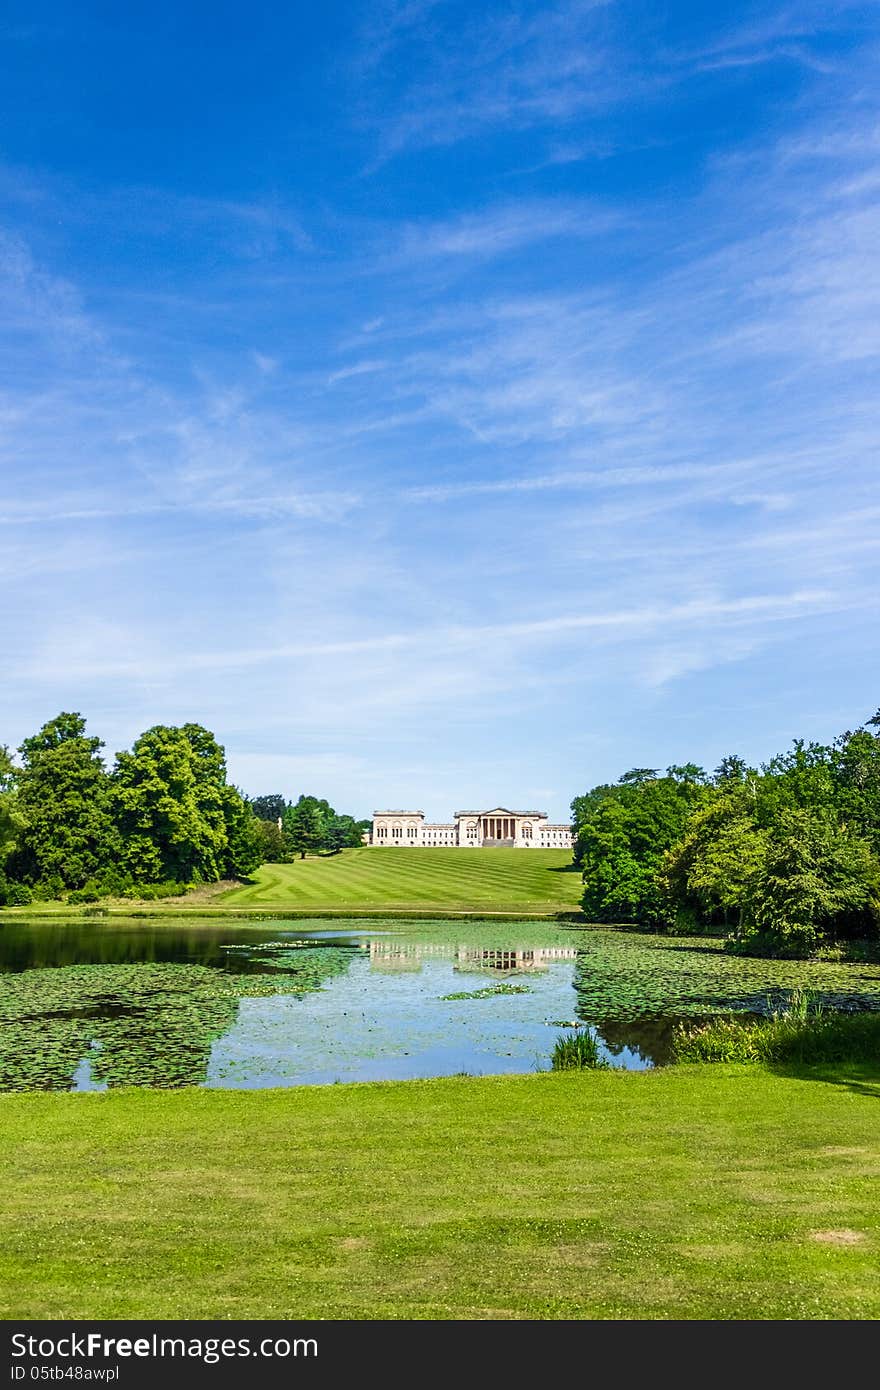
<point>501,811</point>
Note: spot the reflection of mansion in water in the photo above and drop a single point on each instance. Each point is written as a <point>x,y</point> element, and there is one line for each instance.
<point>469,830</point>
<point>409,955</point>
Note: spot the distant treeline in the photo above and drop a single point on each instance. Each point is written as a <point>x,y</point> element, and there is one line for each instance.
<point>162,819</point>
<point>308,826</point>
<point>784,859</point>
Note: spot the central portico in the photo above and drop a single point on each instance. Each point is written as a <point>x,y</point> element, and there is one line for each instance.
<point>499,828</point>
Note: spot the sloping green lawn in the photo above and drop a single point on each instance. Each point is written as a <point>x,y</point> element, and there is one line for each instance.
<point>442,879</point>
<point>690,1192</point>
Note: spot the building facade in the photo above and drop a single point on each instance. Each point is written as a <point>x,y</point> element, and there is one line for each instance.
<point>499,828</point>
<point>391,956</point>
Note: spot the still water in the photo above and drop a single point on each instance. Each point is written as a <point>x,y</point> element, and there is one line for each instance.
<point>96,1004</point>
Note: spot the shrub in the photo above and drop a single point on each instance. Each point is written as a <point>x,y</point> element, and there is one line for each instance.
<point>48,889</point>
<point>112,882</point>
<point>149,892</point>
<point>782,944</point>
<point>795,1036</point>
<point>577,1052</point>
<point>89,893</point>
<point>18,895</point>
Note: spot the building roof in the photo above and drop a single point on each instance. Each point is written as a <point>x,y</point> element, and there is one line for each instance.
<point>398,813</point>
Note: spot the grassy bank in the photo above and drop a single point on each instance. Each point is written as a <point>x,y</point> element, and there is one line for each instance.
<point>714,1192</point>
<point>371,882</point>
<point>425,880</point>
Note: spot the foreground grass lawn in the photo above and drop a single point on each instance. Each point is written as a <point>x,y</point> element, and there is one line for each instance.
<point>505,880</point>
<point>693,1192</point>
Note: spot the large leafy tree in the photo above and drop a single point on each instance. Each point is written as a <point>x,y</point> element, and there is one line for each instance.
<point>244,844</point>
<point>64,797</point>
<point>819,881</point>
<point>624,836</point>
<point>856,767</point>
<point>584,807</point>
<point>707,876</point>
<point>802,777</point>
<point>170,805</point>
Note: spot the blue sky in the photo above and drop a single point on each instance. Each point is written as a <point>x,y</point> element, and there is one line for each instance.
<point>446,404</point>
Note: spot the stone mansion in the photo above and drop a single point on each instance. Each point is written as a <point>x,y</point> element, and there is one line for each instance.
<point>469,830</point>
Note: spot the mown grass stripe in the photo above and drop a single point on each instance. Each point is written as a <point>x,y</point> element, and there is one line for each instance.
<point>414,877</point>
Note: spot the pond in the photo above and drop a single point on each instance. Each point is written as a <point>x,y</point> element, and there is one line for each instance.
<point>100,1003</point>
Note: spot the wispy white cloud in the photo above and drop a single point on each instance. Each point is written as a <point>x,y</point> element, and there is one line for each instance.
<point>512,65</point>
<point>527,65</point>
<point>604,478</point>
<point>324,507</point>
<point>497,230</point>
<point>443,640</point>
<point>366,367</point>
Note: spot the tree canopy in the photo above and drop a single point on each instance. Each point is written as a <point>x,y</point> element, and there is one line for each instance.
<point>165,816</point>
<point>784,858</point>
<point>64,798</point>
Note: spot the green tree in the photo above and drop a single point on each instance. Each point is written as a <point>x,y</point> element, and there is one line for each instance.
<point>856,768</point>
<point>12,823</point>
<point>170,805</point>
<point>689,773</point>
<point>638,776</point>
<point>305,825</point>
<point>270,807</point>
<point>708,875</point>
<point>731,769</point>
<point>819,882</point>
<point>11,819</point>
<point>244,844</point>
<point>786,857</point>
<point>270,839</point>
<point>802,777</point>
<point>344,832</point>
<point>64,797</point>
<point>623,839</point>
<point>583,809</point>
